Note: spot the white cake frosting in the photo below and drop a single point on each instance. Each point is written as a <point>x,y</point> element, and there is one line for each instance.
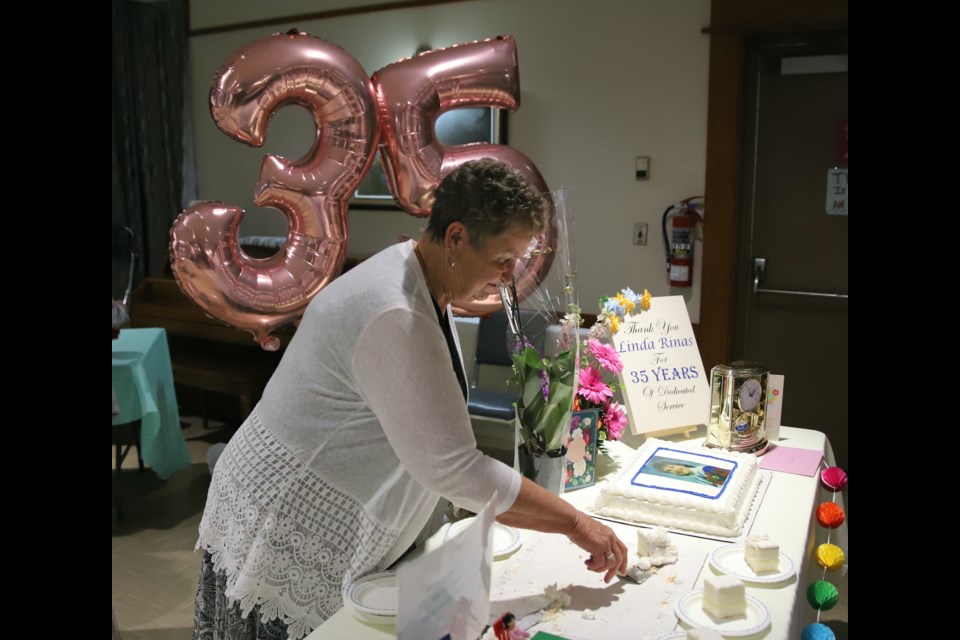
<point>724,596</point>
<point>654,548</point>
<point>762,554</point>
<point>713,497</point>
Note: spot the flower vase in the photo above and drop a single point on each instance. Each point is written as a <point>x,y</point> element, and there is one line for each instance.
<point>547,470</point>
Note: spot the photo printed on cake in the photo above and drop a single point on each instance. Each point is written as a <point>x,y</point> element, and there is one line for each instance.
<point>686,472</point>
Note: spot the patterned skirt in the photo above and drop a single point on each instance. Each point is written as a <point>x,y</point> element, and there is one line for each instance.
<point>217,618</point>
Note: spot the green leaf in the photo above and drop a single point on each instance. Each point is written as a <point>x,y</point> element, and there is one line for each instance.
<point>532,390</point>
<point>545,422</point>
<point>531,358</point>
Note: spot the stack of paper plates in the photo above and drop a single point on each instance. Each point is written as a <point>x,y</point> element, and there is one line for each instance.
<point>373,598</point>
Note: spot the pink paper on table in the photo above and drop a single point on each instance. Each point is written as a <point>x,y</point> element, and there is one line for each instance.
<point>804,462</point>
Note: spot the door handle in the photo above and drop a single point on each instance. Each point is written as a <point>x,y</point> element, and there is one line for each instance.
<point>760,270</point>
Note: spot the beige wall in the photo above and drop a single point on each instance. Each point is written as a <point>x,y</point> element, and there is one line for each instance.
<point>601,83</point>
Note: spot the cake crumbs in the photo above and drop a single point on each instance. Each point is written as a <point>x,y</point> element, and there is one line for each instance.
<point>558,599</point>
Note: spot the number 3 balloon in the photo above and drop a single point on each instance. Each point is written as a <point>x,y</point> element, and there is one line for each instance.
<point>312,192</point>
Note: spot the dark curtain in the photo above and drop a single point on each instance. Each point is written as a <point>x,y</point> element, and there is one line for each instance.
<point>149,84</point>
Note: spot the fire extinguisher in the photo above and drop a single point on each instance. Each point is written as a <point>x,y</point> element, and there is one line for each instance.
<point>679,244</point>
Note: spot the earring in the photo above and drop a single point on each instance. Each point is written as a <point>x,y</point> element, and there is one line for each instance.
<point>451,261</point>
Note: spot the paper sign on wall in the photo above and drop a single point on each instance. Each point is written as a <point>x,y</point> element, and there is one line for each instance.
<point>664,383</point>
<point>837,192</point>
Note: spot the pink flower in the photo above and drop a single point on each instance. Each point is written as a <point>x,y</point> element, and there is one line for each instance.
<point>592,386</point>
<point>606,355</point>
<point>616,420</point>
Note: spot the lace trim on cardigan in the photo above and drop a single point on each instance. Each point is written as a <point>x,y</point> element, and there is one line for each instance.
<point>287,540</point>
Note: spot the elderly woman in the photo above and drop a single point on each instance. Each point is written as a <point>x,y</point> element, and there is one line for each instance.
<point>364,427</point>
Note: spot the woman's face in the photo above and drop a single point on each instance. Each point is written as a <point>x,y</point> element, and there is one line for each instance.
<point>483,268</point>
<point>678,469</point>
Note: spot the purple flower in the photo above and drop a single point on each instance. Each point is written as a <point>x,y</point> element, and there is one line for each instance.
<point>544,384</point>
<point>517,346</point>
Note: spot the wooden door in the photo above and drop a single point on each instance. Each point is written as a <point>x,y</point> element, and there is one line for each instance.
<point>793,316</point>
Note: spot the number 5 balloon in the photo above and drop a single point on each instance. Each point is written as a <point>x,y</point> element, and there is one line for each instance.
<point>412,93</point>
<point>312,192</point>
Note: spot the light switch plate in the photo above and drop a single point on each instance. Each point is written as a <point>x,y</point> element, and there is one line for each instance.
<point>643,167</point>
<point>639,233</point>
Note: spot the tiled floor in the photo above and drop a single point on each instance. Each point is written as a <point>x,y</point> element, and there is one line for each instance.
<point>155,567</point>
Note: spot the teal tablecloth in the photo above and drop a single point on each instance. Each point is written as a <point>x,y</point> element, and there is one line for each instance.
<point>143,383</point>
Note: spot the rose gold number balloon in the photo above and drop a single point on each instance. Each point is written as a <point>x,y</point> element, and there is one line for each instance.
<point>312,192</point>
<point>412,93</point>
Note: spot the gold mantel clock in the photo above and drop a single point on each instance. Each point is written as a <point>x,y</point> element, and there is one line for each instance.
<point>738,407</point>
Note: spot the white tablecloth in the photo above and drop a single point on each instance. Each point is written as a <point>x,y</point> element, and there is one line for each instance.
<point>786,515</point>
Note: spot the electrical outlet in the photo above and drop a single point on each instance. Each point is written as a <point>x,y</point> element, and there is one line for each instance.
<point>639,233</point>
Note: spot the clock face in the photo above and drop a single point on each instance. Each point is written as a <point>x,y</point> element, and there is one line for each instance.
<point>751,393</point>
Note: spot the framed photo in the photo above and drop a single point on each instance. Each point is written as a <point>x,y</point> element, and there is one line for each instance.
<point>581,444</point>
<point>457,126</point>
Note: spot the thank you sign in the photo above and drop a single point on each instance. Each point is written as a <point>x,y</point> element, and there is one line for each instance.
<point>664,383</point>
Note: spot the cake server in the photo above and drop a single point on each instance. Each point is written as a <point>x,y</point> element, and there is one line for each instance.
<point>530,619</point>
<point>636,575</point>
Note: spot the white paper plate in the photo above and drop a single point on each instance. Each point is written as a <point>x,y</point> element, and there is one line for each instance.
<point>731,560</point>
<point>689,609</point>
<point>374,597</point>
<point>506,539</point>
<point>676,635</point>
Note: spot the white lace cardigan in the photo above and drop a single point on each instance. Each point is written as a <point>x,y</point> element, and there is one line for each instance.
<point>359,432</point>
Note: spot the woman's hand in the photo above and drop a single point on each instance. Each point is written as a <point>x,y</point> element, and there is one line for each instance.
<point>538,509</point>
<point>607,553</point>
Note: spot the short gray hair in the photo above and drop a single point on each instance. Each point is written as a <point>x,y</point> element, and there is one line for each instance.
<point>489,198</point>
